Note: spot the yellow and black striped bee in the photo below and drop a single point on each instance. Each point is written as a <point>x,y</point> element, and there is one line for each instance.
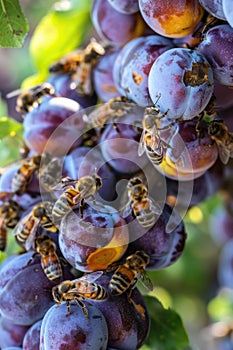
<point>29,99</point>
<point>144,209</point>
<point>78,290</point>
<point>50,262</point>
<point>115,108</point>
<point>9,217</point>
<point>75,192</point>
<point>127,274</point>
<point>24,174</point>
<point>218,131</point>
<point>39,216</point>
<point>150,140</point>
<point>80,64</point>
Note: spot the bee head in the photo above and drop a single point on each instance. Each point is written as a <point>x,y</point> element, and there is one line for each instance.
<point>216,128</point>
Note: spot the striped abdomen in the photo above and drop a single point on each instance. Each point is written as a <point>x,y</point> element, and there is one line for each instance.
<point>121,280</point>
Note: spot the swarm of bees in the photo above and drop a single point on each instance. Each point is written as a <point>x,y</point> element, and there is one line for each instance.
<point>80,64</point>
<point>75,192</point>
<point>31,98</point>
<point>144,209</point>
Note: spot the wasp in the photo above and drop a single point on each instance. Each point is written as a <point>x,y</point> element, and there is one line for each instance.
<point>143,208</point>
<point>75,192</point>
<point>29,99</point>
<point>78,290</point>
<point>115,108</point>
<point>40,216</point>
<point>150,140</point>
<point>9,217</point>
<point>80,64</point>
<point>25,173</point>
<point>218,131</point>
<point>127,274</point>
<point>46,248</point>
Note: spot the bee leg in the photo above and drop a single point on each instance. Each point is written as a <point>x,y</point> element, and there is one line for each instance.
<point>114,119</point>
<point>81,208</point>
<point>68,308</point>
<point>83,307</point>
<point>139,308</point>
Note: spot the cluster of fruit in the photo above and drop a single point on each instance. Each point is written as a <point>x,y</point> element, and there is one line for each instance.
<point>100,193</point>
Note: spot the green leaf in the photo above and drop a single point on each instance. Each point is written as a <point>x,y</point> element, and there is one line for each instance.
<point>58,33</point>
<point>9,127</point>
<point>13,24</point>
<point>167,331</point>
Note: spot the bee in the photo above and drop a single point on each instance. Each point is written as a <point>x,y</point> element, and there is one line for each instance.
<point>75,192</point>
<point>144,209</point>
<point>78,290</point>
<point>50,262</point>
<point>126,276</point>
<point>116,107</point>
<point>198,74</point>
<point>40,216</point>
<point>9,217</point>
<point>29,99</point>
<point>150,140</point>
<point>219,133</point>
<point>25,173</point>
<point>80,63</point>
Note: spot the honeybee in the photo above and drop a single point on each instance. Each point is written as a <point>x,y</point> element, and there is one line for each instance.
<point>25,173</point>
<point>29,99</point>
<point>50,262</point>
<point>75,192</point>
<point>218,132</point>
<point>78,290</point>
<point>198,74</point>
<point>9,217</point>
<point>144,209</point>
<point>26,229</point>
<point>126,276</point>
<point>150,140</point>
<point>80,63</point>
<point>116,107</point>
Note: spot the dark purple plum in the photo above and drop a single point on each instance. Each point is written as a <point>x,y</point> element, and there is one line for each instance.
<point>62,332</point>
<point>125,6</point>
<point>54,127</point>
<point>214,7</point>
<point>11,334</point>
<point>181,83</point>
<point>31,340</point>
<point>134,63</point>
<point>217,47</point>
<point>227,10</point>
<point>94,241</point>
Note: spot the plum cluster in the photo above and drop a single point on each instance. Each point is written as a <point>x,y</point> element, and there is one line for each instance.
<point>99,197</point>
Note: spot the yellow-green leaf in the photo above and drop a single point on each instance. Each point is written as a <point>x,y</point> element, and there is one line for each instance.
<point>9,127</point>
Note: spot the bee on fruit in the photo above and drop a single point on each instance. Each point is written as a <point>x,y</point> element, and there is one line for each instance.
<point>143,208</point>
<point>150,140</point>
<point>46,248</point>
<point>115,108</point>
<point>40,216</point>
<point>75,192</point>
<point>127,274</point>
<point>9,217</point>
<point>25,173</point>
<point>50,172</point>
<point>218,131</point>
<point>29,99</point>
<point>78,290</point>
<point>80,64</point>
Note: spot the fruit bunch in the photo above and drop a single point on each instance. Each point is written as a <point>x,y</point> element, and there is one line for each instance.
<point>99,196</point>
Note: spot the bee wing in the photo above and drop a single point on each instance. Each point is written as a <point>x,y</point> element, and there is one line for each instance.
<point>16,92</point>
<point>84,290</point>
<point>156,206</point>
<point>146,281</point>
<point>141,146</point>
<point>90,277</point>
<point>156,143</point>
<point>127,210</point>
<point>224,153</point>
